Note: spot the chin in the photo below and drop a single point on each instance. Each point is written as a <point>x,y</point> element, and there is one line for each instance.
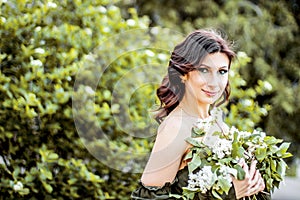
<point>209,102</point>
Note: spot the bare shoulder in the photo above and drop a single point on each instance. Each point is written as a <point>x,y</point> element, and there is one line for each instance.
<point>167,152</point>
<point>169,131</point>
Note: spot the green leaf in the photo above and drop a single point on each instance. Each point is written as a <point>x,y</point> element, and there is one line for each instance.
<point>286,155</point>
<point>273,149</point>
<point>53,156</point>
<point>269,184</point>
<point>189,155</point>
<point>237,151</point>
<point>24,191</point>
<point>260,154</point>
<point>177,196</point>
<point>29,178</point>
<point>254,197</point>
<point>273,164</point>
<point>30,112</point>
<point>216,195</point>
<point>196,132</point>
<point>224,184</point>
<point>47,186</point>
<point>205,153</point>
<point>72,181</point>
<point>194,164</point>
<point>16,172</point>
<point>193,142</point>
<point>283,148</point>
<point>271,140</point>
<point>240,172</point>
<point>32,100</point>
<point>281,168</point>
<point>45,172</point>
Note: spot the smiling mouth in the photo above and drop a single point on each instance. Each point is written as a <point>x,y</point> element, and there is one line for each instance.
<point>209,93</point>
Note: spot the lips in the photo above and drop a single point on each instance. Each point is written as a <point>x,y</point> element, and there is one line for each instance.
<point>210,93</point>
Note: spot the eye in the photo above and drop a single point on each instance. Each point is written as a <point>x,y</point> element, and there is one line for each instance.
<point>202,70</point>
<point>223,71</point>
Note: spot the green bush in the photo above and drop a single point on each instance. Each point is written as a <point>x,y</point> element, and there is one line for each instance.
<point>53,53</point>
<point>41,45</point>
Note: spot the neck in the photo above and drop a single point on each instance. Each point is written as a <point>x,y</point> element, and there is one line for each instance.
<point>194,109</point>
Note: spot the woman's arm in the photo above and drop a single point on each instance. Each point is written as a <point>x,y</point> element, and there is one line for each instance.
<point>166,154</point>
<point>159,177</point>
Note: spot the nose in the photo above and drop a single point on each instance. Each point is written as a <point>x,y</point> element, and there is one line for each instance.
<point>212,81</point>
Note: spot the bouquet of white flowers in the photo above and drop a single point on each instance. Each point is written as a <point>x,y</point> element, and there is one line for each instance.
<point>211,166</point>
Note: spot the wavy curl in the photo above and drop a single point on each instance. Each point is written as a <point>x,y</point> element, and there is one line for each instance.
<point>185,57</point>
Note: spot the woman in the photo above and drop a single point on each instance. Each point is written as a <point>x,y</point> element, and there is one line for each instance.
<point>197,81</point>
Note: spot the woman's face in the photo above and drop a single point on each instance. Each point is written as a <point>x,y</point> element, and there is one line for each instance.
<point>208,82</point>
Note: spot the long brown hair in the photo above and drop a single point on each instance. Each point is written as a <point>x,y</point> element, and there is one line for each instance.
<point>185,57</point>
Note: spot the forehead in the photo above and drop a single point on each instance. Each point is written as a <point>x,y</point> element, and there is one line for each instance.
<point>216,60</point>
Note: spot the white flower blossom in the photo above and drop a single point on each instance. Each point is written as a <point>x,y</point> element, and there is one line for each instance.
<point>226,171</point>
<point>39,50</point>
<point>3,19</point>
<point>204,124</point>
<point>268,86</point>
<point>245,133</point>
<point>232,130</point>
<point>204,179</point>
<point>36,63</point>
<point>222,148</point>
<point>88,31</point>
<point>51,5</point>
<point>217,114</point>
<point>131,22</point>
<point>149,53</point>
<point>251,150</point>
<point>162,56</point>
<point>101,9</point>
<point>247,102</point>
<point>262,135</point>
<point>38,28</point>
<point>18,186</point>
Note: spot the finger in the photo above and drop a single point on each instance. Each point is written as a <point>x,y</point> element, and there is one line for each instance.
<point>253,190</point>
<point>261,181</point>
<point>247,176</point>
<point>241,186</point>
<point>262,186</point>
<point>255,180</point>
<point>256,189</point>
<point>241,162</point>
<point>252,168</point>
<point>245,167</point>
<point>259,186</point>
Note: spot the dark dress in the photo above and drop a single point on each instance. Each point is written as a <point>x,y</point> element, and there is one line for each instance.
<point>181,180</point>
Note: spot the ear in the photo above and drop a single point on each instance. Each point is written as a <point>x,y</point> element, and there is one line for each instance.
<point>183,78</point>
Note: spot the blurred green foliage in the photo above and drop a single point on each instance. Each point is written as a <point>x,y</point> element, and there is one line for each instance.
<point>41,45</point>
<point>45,45</point>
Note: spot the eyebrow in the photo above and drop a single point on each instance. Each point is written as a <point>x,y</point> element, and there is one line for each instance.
<point>212,67</point>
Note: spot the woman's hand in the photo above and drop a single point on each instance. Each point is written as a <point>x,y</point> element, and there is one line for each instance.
<point>252,184</point>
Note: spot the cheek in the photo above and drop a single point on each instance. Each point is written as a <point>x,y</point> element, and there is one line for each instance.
<point>200,81</point>
<point>223,82</point>
<point>197,81</point>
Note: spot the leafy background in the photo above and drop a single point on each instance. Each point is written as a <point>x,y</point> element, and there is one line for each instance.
<point>44,44</point>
